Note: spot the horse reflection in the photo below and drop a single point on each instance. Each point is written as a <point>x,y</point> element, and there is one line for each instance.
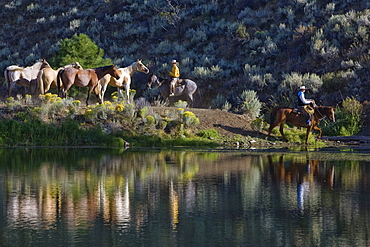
<point>301,173</point>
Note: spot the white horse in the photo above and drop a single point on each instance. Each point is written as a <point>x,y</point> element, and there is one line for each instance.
<point>124,81</point>
<point>23,76</point>
<point>47,77</point>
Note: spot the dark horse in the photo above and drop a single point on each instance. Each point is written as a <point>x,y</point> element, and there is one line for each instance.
<point>280,115</point>
<point>185,87</point>
<point>85,78</point>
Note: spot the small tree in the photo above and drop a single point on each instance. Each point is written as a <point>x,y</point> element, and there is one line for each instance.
<point>250,104</point>
<point>79,48</point>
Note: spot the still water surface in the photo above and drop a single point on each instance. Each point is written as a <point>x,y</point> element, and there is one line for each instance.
<point>93,197</point>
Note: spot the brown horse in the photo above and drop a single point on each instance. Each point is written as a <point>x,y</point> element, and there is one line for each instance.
<point>47,77</point>
<point>84,78</point>
<point>280,115</point>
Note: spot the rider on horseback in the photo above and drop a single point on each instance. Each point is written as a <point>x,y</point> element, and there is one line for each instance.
<point>175,74</point>
<point>305,105</point>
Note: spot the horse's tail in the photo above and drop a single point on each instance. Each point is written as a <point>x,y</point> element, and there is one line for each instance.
<point>6,77</point>
<point>40,82</point>
<point>273,114</point>
<point>199,95</point>
<point>59,80</point>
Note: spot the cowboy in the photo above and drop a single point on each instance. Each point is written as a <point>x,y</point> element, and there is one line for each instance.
<point>174,74</point>
<point>304,103</point>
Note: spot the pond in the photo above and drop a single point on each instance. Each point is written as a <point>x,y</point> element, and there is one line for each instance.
<point>97,197</point>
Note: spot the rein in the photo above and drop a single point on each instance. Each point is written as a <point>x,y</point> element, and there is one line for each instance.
<point>159,83</point>
<point>323,116</point>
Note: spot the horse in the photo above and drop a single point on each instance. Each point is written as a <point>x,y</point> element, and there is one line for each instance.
<point>84,78</point>
<point>186,87</point>
<point>124,81</point>
<point>47,77</point>
<point>280,115</point>
<point>23,76</point>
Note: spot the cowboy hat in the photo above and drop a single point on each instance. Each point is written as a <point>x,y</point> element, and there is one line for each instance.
<point>302,87</point>
<point>174,61</point>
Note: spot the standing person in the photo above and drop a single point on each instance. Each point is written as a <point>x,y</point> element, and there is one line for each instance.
<point>305,105</point>
<point>175,74</point>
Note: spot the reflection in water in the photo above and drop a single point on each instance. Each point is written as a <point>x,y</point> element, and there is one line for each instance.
<point>166,198</point>
<point>174,206</point>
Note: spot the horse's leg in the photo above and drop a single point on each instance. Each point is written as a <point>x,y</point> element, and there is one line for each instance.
<point>10,87</point>
<point>47,85</point>
<point>191,100</point>
<point>100,100</point>
<point>103,89</point>
<point>319,130</point>
<point>97,90</point>
<point>88,96</point>
<point>307,134</point>
<point>40,86</point>
<point>87,99</point>
<point>272,126</point>
<point>119,92</point>
<point>281,129</point>
<point>127,89</point>
<point>65,90</point>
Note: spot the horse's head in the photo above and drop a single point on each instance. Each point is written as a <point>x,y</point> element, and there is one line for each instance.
<point>76,65</point>
<point>153,79</point>
<point>44,64</point>
<point>141,67</point>
<point>114,72</point>
<point>326,111</point>
<point>330,113</point>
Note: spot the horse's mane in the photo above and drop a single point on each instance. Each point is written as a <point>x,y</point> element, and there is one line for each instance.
<point>104,68</point>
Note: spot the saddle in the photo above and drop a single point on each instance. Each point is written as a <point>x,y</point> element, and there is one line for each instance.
<point>305,112</point>
<point>307,108</point>
<point>180,82</point>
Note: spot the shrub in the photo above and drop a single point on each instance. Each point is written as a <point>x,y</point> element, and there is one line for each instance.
<point>220,102</point>
<point>258,124</point>
<point>189,119</point>
<point>288,88</point>
<point>181,104</point>
<point>299,135</point>
<point>250,104</point>
<point>348,119</point>
<point>209,134</point>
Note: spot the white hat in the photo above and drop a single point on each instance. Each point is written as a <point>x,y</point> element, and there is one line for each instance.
<point>302,87</point>
<point>174,61</point>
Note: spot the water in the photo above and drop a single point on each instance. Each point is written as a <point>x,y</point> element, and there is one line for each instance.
<point>93,197</point>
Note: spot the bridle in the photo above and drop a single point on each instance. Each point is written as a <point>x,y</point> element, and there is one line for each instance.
<point>322,115</point>
<point>159,83</point>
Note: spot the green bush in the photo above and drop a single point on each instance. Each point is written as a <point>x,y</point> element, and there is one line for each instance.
<point>82,49</point>
<point>348,119</point>
<point>209,134</point>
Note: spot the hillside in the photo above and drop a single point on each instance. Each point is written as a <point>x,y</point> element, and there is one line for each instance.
<point>227,124</point>
<point>226,46</point>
